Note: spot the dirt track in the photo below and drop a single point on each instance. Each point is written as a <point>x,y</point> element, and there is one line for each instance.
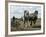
<point>20,26</point>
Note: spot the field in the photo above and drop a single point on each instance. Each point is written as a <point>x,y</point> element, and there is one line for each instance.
<point>18,25</point>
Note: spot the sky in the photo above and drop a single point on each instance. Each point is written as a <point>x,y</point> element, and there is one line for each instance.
<point>18,10</point>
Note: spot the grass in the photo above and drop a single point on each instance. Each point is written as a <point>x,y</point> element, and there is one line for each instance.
<point>19,26</point>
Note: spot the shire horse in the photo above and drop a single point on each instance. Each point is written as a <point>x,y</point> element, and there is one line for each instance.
<point>30,17</point>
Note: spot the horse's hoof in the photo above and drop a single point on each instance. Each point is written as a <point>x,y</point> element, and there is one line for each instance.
<point>30,24</point>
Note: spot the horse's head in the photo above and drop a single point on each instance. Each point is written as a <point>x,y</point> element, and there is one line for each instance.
<point>26,15</point>
<point>26,12</point>
<point>36,12</point>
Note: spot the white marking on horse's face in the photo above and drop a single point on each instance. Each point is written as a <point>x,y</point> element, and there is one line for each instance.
<point>26,13</point>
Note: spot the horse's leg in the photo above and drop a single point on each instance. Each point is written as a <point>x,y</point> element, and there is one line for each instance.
<point>31,23</point>
<point>34,21</point>
<point>28,23</point>
<point>24,21</point>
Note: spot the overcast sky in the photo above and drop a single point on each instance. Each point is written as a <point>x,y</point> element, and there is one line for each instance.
<point>18,10</point>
